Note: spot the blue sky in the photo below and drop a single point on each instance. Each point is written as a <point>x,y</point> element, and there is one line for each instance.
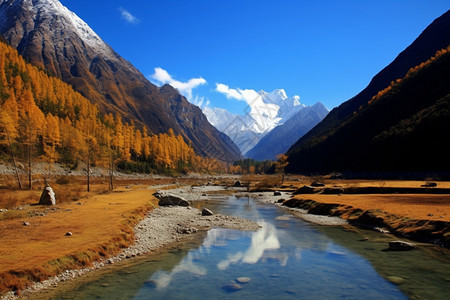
<point>320,50</point>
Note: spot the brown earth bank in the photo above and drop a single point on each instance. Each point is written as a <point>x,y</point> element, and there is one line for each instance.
<point>414,209</point>
<point>423,218</point>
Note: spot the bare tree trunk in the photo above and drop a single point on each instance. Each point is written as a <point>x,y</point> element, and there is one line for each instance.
<point>30,185</point>
<point>88,172</point>
<point>13,159</point>
<point>111,172</point>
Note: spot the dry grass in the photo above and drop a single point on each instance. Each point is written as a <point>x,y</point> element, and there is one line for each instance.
<point>418,207</point>
<point>101,226</point>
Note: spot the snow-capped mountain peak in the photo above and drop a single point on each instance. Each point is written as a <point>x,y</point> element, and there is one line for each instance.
<point>60,18</point>
<point>267,111</point>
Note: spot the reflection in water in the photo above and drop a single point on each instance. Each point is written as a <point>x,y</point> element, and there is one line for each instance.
<point>162,279</point>
<point>262,240</point>
<point>318,268</point>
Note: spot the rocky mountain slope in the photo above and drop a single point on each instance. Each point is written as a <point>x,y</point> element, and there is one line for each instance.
<point>283,136</point>
<point>50,36</point>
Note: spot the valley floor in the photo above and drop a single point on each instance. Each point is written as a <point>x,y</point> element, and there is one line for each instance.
<point>34,244</point>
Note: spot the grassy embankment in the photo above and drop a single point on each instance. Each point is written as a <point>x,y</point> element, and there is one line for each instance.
<point>422,216</point>
<point>101,225</point>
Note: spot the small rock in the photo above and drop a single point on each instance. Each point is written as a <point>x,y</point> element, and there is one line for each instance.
<point>237,184</point>
<point>68,233</point>
<point>204,195</point>
<point>396,280</point>
<point>401,246</point>
<point>430,215</point>
<point>277,193</point>
<point>3,210</point>
<point>381,230</point>
<point>280,200</point>
<point>232,287</point>
<point>206,212</point>
<point>186,230</point>
<point>243,280</point>
<point>26,223</point>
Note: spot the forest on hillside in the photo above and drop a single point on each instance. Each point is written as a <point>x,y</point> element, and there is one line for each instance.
<point>44,119</point>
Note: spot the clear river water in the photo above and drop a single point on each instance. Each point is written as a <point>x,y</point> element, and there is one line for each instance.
<point>287,258</point>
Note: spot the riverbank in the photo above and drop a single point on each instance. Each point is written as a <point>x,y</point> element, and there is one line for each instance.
<point>379,215</point>
<point>94,241</point>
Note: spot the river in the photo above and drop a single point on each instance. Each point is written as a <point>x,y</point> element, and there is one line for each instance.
<point>288,258</point>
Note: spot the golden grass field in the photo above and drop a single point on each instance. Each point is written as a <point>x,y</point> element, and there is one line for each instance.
<point>413,206</point>
<point>101,224</point>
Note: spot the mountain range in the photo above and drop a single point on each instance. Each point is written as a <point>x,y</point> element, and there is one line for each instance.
<point>397,123</point>
<point>50,36</point>
<point>285,135</point>
<point>266,112</point>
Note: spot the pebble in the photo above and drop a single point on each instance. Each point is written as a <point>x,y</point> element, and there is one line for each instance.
<point>232,287</point>
<point>243,280</point>
<point>396,280</point>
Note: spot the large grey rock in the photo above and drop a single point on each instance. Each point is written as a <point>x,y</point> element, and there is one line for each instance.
<point>401,246</point>
<point>47,196</point>
<point>167,200</point>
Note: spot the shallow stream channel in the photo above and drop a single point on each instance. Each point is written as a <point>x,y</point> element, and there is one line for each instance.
<point>288,258</point>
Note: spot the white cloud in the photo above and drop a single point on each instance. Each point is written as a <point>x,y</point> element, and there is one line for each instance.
<point>127,16</point>
<point>230,93</point>
<point>185,88</point>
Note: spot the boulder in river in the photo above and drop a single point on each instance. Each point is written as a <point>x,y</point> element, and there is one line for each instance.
<point>243,280</point>
<point>237,184</point>
<point>232,287</point>
<point>167,200</point>
<point>277,193</point>
<point>47,196</point>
